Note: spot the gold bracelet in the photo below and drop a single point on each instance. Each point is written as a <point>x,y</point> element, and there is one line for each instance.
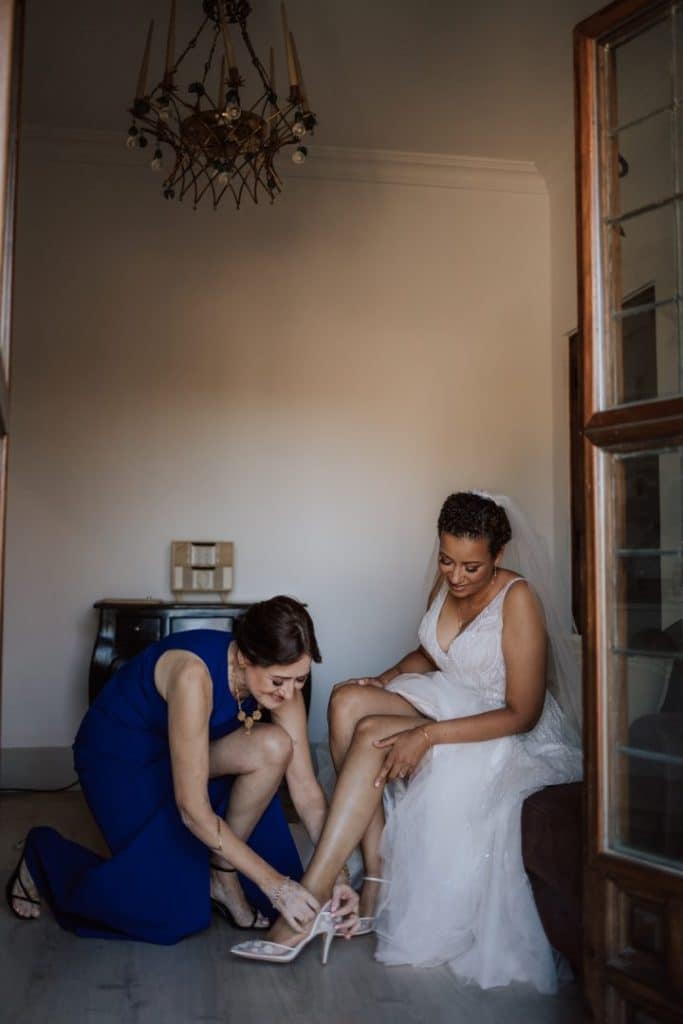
<point>426,735</point>
<point>345,874</point>
<point>219,848</point>
<point>276,894</point>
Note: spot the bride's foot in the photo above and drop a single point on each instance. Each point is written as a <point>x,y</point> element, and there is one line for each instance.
<point>22,896</point>
<point>227,894</point>
<point>283,934</point>
<point>369,896</point>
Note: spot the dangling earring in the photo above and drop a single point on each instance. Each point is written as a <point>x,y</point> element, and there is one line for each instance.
<point>495,571</point>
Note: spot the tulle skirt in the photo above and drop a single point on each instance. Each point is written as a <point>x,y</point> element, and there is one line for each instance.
<point>457,891</point>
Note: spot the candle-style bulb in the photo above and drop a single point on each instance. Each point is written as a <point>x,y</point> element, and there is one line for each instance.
<point>299,155</point>
<point>233,109</point>
<point>229,50</point>
<point>170,45</point>
<point>163,111</point>
<point>271,72</point>
<point>299,76</point>
<point>221,86</point>
<point>141,88</point>
<point>291,65</point>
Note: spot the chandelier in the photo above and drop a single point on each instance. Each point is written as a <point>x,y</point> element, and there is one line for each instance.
<point>203,134</point>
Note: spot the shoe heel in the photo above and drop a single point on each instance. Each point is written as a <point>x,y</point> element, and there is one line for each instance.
<point>328,935</point>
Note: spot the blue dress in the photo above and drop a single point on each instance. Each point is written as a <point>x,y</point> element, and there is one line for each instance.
<point>155,885</point>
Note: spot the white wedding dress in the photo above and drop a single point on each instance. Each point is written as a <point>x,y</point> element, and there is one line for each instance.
<point>457,891</point>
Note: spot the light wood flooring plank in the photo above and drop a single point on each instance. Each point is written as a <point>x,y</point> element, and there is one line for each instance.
<point>48,976</point>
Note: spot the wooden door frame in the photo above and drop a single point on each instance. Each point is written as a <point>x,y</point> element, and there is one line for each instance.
<point>11,49</point>
<point>607,430</point>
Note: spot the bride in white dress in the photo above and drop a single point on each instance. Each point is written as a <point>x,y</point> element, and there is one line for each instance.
<point>452,844</point>
<point>457,734</point>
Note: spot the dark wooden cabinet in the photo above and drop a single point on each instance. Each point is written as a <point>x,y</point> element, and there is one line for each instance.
<point>127,627</point>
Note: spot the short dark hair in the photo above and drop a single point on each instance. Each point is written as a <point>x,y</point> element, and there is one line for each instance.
<point>465,514</point>
<point>278,631</point>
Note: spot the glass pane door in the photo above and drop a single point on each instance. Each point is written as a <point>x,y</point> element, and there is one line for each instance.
<point>641,222</point>
<point>644,666</point>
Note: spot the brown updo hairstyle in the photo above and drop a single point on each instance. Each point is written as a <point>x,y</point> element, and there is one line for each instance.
<point>278,631</point>
<point>465,514</point>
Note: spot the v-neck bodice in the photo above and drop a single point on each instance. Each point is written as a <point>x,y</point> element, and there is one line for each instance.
<point>475,655</point>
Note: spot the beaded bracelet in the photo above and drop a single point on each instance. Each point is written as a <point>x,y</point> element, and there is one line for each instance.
<point>345,875</point>
<point>426,735</point>
<point>277,891</point>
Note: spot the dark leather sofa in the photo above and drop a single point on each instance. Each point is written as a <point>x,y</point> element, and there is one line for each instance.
<point>552,852</point>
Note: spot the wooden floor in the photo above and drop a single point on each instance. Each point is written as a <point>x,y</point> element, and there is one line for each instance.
<point>48,976</point>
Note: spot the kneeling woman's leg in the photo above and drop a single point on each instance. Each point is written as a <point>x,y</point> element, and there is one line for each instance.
<point>258,762</point>
<point>155,886</point>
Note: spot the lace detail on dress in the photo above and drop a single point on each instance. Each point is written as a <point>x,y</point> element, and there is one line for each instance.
<point>475,656</point>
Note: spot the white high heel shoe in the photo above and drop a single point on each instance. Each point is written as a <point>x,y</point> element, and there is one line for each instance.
<point>277,953</point>
<point>366,925</point>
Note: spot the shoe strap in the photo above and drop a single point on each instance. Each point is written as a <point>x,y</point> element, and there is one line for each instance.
<point>26,898</point>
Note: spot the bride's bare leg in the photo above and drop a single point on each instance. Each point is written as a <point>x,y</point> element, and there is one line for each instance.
<point>348,704</point>
<point>353,805</point>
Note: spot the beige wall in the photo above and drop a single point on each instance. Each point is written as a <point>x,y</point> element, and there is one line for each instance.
<point>308,380</point>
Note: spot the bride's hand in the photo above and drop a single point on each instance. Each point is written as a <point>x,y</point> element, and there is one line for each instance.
<point>361,681</point>
<point>345,909</point>
<point>405,751</point>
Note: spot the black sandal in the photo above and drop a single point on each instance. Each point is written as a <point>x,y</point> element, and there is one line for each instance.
<point>227,914</point>
<point>12,896</point>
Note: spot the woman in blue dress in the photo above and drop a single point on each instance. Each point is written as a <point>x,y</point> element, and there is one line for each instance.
<point>183,784</point>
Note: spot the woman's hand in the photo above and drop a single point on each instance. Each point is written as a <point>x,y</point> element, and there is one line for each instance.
<point>361,681</point>
<point>405,751</point>
<point>345,909</point>
<point>294,903</point>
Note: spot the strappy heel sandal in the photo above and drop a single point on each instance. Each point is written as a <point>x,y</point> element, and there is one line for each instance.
<point>277,953</point>
<point>24,895</point>
<point>227,914</point>
<point>366,925</point>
